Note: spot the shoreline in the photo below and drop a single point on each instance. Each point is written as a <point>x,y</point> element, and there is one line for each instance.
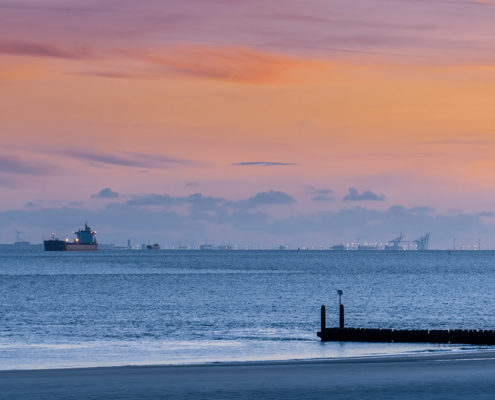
<point>407,355</point>
<point>453,375</point>
<point>436,355</point>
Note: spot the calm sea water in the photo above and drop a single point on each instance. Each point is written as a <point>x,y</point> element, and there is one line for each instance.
<point>172,307</point>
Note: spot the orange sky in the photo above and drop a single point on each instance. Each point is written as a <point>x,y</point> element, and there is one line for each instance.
<point>337,121</point>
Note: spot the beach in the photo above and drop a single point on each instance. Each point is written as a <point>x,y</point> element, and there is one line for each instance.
<point>432,376</point>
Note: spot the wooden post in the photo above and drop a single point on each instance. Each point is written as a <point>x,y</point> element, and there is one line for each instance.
<point>323,319</point>
<point>341,316</point>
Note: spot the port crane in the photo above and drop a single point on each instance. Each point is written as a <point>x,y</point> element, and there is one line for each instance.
<point>394,244</point>
<point>422,242</point>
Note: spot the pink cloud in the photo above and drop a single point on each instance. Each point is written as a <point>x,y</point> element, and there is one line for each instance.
<point>234,64</point>
<point>447,28</point>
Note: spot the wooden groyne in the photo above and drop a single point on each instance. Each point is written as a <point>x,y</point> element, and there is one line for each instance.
<point>471,336</point>
<point>458,336</point>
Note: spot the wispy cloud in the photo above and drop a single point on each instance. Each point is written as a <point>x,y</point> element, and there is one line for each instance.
<point>108,159</point>
<point>388,28</point>
<point>113,74</point>
<point>162,160</point>
<point>461,142</point>
<point>41,50</point>
<point>238,64</point>
<point>128,159</point>
<point>262,163</point>
<point>292,17</point>
<point>20,166</point>
<point>487,2</point>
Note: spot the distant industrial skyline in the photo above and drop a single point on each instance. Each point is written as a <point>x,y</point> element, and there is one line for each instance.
<point>264,218</point>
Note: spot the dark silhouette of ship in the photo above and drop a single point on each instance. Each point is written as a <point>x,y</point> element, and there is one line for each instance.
<point>156,246</point>
<point>367,247</point>
<point>206,246</point>
<point>224,247</point>
<point>85,241</point>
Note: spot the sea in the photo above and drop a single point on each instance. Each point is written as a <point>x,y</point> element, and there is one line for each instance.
<point>111,308</point>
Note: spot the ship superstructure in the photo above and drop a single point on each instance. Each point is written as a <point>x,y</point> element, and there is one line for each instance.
<point>206,246</point>
<point>368,247</point>
<point>85,241</point>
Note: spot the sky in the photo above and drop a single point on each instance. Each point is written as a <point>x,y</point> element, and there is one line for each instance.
<point>303,123</point>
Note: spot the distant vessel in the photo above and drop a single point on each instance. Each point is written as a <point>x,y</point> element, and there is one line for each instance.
<point>367,247</point>
<point>85,241</point>
<point>337,247</point>
<point>206,246</point>
<point>156,246</point>
<point>281,247</point>
<point>226,247</point>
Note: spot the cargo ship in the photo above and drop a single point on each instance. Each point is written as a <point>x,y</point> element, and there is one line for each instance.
<point>156,246</point>
<point>368,247</point>
<point>85,241</point>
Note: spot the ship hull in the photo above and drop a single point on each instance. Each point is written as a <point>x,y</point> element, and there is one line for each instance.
<point>54,245</point>
<point>81,247</point>
<point>367,248</point>
<point>60,245</point>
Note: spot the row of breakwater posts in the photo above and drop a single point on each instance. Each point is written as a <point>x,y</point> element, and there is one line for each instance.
<point>457,336</point>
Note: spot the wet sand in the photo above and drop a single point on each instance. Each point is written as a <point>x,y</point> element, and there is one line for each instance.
<point>437,376</point>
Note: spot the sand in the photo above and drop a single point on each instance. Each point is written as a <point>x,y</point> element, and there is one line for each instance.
<point>437,376</point>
